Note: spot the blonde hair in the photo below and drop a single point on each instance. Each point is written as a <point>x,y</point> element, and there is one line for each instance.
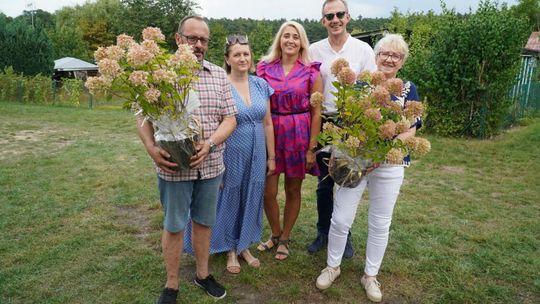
<point>275,49</point>
<point>394,42</point>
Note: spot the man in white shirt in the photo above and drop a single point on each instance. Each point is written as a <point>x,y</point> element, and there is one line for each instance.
<point>360,56</point>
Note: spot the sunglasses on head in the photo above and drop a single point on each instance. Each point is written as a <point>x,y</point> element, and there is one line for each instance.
<point>237,38</point>
<point>330,16</point>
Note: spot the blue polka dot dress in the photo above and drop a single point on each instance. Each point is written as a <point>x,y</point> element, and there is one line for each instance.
<point>239,219</point>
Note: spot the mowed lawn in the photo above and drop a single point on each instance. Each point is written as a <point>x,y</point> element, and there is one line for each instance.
<point>80,222</point>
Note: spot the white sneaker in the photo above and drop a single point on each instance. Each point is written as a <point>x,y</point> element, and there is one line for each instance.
<point>327,277</point>
<point>372,287</point>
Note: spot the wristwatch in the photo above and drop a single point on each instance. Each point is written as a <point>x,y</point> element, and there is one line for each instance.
<point>212,145</point>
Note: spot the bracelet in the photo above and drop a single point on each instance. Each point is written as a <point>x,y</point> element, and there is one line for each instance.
<point>271,158</point>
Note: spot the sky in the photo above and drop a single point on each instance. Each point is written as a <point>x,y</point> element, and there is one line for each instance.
<point>272,9</point>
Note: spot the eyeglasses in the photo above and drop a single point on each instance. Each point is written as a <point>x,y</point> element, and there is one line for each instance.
<point>330,16</point>
<point>194,39</point>
<point>237,38</point>
<point>393,57</point>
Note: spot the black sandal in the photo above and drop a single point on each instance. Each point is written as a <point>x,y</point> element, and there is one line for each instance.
<point>286,254</point>
<point>264,246</point>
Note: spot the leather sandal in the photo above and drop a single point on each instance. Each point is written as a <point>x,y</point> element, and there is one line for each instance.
<point>250,260</point>
<point>233,265</point>
<point>271,243</point>
<point>284,243</point>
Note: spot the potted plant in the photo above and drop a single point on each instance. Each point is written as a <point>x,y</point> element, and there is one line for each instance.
<point>364,131</point>
<point>156,85</point>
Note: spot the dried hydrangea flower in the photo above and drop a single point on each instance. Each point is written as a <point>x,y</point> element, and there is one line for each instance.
<point>337,65</point>
<point>100,54</point>
<point>394,86</point>
<point>373,114</point>
<point>411,143</point>
<point>387,130</point>
<point>152,95</point>
<point>377,78</point>
<point>402,126</point>
<point>109,67</point>
<point>183,57</point>
<point>124,41</point>
<point>151,46</point>
<point>138,55</point>
<point>381,95</point>
<point>413,109</point>
<point>114,52</point>
<point>353,142</point>
<point>153,33</point>
<point>423,147</point>
<point>365,76</point>
<point>316,99</point>
<point>164,75</point>
<point>97,84</point>
<point>365,103</point>
<point>395,156</point>
<point>395,107</point>
<point>330,127</point>
<point>346,76</point>
<point>139,78</point>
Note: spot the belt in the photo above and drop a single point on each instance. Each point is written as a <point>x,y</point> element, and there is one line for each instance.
<point>290,113</point>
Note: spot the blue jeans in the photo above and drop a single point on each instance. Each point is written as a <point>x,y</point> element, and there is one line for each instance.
<point>195,198</point>
<point>325,195</point>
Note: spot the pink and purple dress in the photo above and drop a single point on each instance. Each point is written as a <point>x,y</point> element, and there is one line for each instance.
<point>291,114</point>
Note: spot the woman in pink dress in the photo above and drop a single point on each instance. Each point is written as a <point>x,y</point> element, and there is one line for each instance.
<point>289,71</point>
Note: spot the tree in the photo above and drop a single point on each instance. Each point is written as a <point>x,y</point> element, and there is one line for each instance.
<point>69,42</point>
<point>260,40</point>
<point>165,14</point>
<point>41,19</point>
<point>97,21</point>
<point>26,49</point>
<point>472,64</point>
<point>216,44</point>
<point>529,10</point>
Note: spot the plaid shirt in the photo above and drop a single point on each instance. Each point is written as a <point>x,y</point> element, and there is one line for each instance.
<point>216,103</point>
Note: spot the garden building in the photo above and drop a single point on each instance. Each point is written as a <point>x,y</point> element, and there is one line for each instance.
<point>69,67</point>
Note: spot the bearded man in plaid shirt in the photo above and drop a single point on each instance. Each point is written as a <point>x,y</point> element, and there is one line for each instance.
<point>193,192</point>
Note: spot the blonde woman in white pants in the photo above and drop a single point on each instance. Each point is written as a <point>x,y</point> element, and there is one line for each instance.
<point>383,184</point>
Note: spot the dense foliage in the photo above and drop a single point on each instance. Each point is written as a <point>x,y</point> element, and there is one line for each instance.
<point>26,49</point>
<point>464,66</point>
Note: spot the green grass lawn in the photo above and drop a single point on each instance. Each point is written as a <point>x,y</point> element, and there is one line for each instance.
<point>80,222</point>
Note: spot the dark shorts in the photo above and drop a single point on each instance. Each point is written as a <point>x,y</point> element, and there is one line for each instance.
<point>196,199</point>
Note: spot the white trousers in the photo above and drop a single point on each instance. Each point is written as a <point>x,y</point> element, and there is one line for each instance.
<point>383,185</point>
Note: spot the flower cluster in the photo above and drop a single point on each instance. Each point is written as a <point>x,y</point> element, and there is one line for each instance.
<point>316,99</point>
<point>145,74</point>
<point>368,121</point>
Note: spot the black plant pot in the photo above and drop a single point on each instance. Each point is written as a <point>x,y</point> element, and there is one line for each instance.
<point>345,170</point>
<point>181,151</point>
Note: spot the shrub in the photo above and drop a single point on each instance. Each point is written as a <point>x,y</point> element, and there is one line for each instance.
<point>473,64</point>
<point>72,90</point>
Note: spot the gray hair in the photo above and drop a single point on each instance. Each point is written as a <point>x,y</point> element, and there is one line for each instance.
<point>328,1</point>
<point>394,42</point>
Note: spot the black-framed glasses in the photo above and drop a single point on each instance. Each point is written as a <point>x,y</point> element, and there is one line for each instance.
<point>194,39</point>
<point>392,56</point>
<point>237,38</point>
<point>330,16</point>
